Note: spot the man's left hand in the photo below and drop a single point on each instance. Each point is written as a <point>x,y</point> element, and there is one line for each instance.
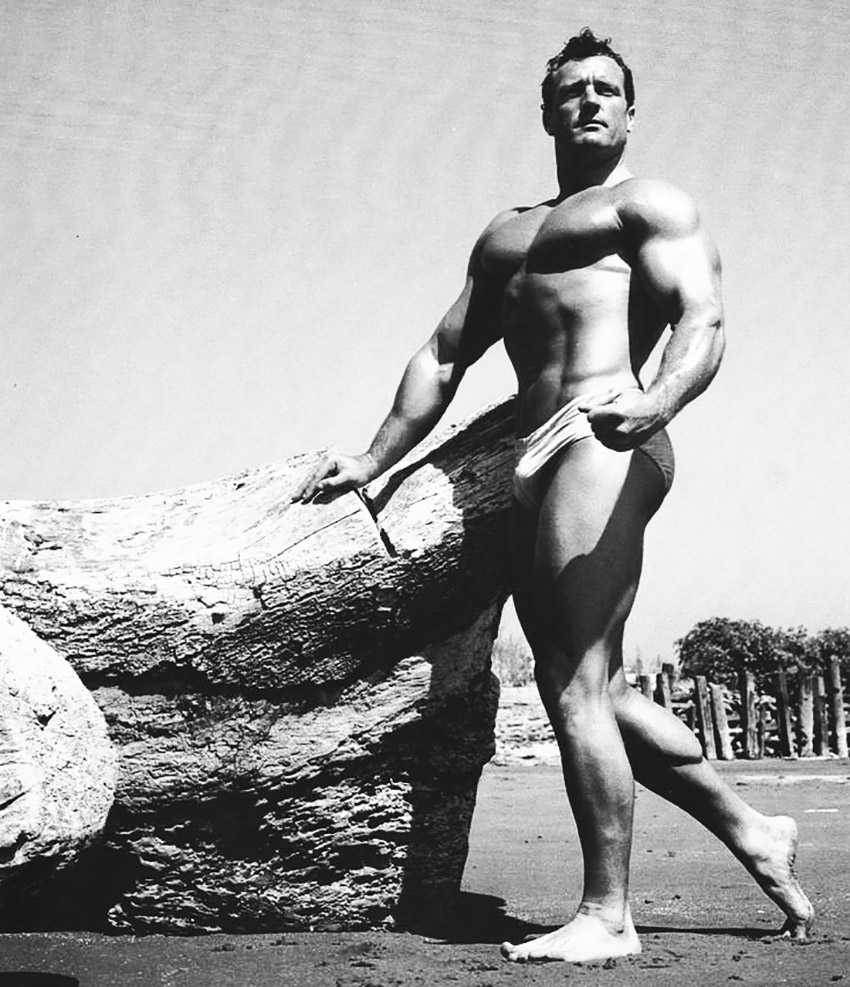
<point>623,420</point>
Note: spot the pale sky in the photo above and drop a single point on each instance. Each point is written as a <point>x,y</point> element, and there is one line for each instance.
<point>227,225</point>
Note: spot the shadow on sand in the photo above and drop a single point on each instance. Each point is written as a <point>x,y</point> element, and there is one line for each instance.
<point>739,932</point>
<point>481,918</point>
<point>32,979</point>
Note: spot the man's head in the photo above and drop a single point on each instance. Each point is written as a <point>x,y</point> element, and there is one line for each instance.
<point>583,45</point>
<point>588,94</point>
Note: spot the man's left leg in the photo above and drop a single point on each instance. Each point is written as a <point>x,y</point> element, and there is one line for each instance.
<point>667,758</point>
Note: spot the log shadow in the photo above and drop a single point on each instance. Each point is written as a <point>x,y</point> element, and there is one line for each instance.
<point>31,978</point>
<point>481,918</point>
<point>76,899</point>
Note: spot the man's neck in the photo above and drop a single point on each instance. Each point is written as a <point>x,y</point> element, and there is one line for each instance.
<point>575,174</point>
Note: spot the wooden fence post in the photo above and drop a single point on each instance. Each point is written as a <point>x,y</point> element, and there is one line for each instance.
<point>821,742</point>
<point>837,724</point>
<point>645,683</point>
<point>670,673</point>
<point>806,717</point>
<point>721,723</point>
<point>662,690</point>
<point>705,721</point>
<point>749,715</point>
<point>762,729</point>
<point>783,715</point>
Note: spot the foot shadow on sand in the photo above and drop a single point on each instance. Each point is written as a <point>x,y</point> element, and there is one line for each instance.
<point>481,918</point>
<point>737,932</point>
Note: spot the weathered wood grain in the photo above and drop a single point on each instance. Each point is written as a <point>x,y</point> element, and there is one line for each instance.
<point>299,694</point>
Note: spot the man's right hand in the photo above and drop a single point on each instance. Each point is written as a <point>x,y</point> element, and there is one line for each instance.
<point>336,474</point>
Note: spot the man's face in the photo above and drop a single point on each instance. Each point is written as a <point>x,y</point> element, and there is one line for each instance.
<point>588,106</point>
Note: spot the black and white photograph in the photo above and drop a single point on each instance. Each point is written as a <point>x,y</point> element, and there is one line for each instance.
<point>424,515</point>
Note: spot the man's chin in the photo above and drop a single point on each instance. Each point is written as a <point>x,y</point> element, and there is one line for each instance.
<point>591,138</point>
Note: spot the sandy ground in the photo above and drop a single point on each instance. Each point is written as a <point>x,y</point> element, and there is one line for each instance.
<point>701,919</point>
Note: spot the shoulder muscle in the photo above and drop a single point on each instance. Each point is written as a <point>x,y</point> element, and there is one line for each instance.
<point>649,208</point>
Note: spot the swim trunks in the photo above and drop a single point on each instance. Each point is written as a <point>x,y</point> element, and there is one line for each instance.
<point>565,427</point>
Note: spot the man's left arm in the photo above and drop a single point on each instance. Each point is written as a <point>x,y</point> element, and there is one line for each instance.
<point>679,266</point>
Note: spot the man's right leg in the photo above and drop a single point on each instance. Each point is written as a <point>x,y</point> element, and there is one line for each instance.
<point>576,569</point>
<point>667,758</point>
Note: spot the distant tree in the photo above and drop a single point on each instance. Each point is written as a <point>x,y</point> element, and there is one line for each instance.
<point>719,648</point>
<point>833,641</point>
<point>801,649</point>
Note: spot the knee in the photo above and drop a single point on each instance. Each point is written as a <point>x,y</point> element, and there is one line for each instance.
<point>654,730</point>
<point>554,672</point>
<point>574,699</point>
<point>623,696</point>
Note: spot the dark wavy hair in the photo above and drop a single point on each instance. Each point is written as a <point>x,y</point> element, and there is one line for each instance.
<point>583,45</point>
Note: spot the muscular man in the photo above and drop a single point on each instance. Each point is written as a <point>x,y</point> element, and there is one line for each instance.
<point>580,288</point>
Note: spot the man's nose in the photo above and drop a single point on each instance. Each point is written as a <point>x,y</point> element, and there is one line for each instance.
<point>589,96</point>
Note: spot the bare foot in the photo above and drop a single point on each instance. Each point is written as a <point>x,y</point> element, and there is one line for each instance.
<point>583,940</point>
<point>771,862</point>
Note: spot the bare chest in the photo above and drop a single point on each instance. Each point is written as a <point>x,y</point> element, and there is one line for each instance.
<point>582,232</point>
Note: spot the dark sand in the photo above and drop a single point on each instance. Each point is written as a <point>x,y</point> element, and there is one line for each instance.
<point>701,919</point>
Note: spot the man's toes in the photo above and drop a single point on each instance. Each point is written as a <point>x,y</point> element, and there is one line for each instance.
<point>513,953</point>
<point>795,929</point>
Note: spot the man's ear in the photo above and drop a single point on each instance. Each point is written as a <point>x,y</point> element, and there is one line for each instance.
<point>544,116</point>
<point>630,112</point>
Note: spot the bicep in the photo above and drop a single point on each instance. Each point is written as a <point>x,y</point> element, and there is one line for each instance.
<point>679,263</point>
<point>683,276</point>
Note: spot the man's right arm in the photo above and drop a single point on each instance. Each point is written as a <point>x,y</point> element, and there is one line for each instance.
<point>427,386</point>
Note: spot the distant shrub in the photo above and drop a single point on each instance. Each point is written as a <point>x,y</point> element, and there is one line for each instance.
<point>512,660</point>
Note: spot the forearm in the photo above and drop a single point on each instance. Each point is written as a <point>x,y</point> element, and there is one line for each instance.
<point>689,363</point>
<point>423,395</point>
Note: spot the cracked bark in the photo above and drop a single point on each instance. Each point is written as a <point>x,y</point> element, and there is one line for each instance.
<point>300,695</point>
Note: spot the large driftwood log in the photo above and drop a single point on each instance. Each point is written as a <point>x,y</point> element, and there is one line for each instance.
<point>57,765</point>
<point>300,694</point>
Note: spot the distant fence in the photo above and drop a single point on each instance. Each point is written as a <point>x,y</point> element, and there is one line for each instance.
<point>799,716</point>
